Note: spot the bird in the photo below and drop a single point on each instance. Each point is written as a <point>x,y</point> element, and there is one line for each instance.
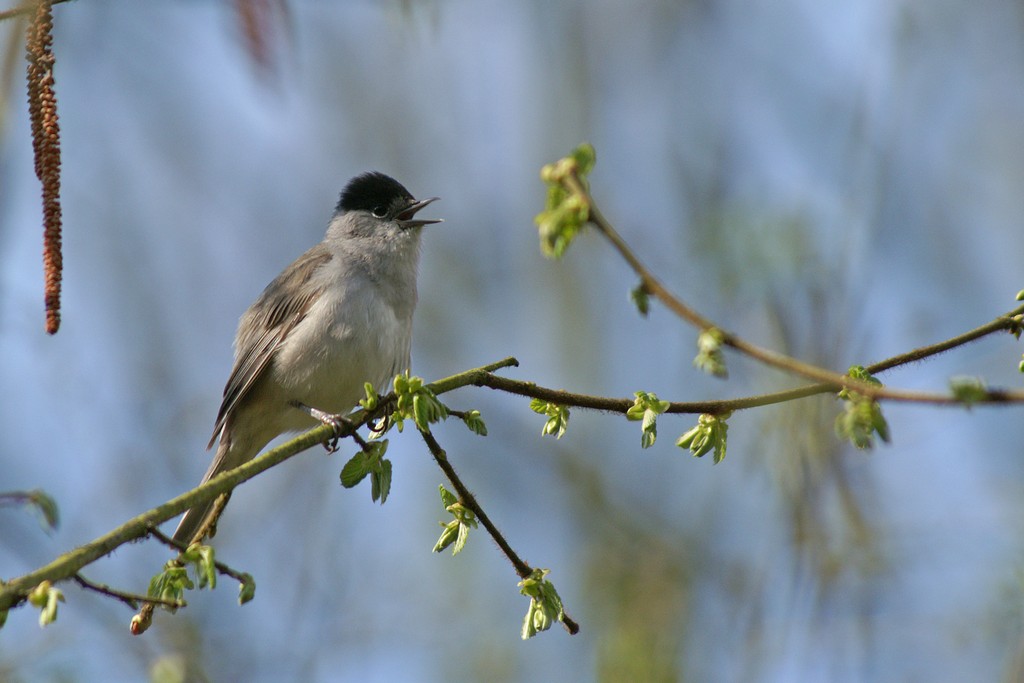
<point>338,317</point>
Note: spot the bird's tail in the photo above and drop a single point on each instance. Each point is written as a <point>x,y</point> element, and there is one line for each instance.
<point>195,518</point>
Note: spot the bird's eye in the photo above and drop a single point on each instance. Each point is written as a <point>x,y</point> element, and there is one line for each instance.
<point>380,211</point>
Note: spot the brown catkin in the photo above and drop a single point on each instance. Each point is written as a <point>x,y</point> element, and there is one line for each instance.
<point>42,106</point>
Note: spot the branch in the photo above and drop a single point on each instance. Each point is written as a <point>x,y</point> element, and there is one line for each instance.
<point>829,380</point>
<point>67,565</point>
<point>181,547</point>
<point>467,498</point>
<point>720,407</point>
<point>1008,322</point>
<point>64,567</point>
<point>130,599</point>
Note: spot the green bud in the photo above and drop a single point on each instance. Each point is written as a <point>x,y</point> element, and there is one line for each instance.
<point>448,535</point>
<point>38,596</point>
<point>206,568</point>
<point>710,358</point>
<point>968,390</point>
<point>46,597</point>
<point>420,411</point>
<point>687,438</point>
<point>641,298</point>
<point>711,433</point>
<point>246,589</point>
<point>371,400</point>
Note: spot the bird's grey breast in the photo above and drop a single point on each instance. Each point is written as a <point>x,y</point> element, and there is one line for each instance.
<point>358,330</point>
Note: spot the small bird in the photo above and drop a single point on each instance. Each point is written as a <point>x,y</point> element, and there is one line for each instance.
<point>336,318</point>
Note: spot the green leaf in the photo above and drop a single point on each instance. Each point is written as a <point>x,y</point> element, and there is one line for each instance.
<point>206,568</point>
<point>355,470</point>
<point>376,450</point>
<point>420,413</point>
<point>415,401</point>
<point>380,480</point>
<point>545,604</point>
<point>460,539</point>
<point>558,417</point>
<point>171,583</point>
<point>646,408</point>
<point>40,501</point>
<point>457,530</point>
<point>47,508</point>
<point>201,558</point>
<point>447,497</point>
<point>649,430</point>
<point>370,461</point>
<point>688,438</point>
<point>448,536</point>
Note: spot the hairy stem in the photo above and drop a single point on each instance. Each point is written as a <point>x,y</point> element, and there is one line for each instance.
<point>830,380</point>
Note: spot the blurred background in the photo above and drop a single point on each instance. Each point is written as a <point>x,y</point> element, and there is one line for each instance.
<point>838,181</point>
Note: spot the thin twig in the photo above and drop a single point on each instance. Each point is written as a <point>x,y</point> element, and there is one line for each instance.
<point>622,405</point>
<point>1010,321</point>
<point>221,568</point>
<point>467,498</point>
<point>830,380</point>
<point>144,618</point>
<point>130,599</point>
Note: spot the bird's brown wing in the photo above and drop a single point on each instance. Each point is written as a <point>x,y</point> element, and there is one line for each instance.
<point>266,324</point>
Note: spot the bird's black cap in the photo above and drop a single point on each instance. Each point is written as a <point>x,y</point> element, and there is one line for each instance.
<point>370,190</point>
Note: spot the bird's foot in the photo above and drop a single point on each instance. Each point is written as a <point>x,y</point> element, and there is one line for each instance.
<point>337,422</point>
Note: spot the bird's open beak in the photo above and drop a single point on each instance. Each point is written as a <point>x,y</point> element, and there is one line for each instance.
<point>406,220</point>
